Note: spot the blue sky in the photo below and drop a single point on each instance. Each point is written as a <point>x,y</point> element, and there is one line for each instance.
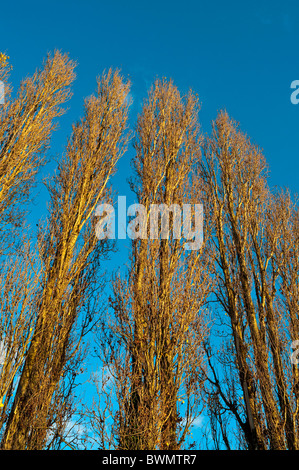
<point>241,56</point>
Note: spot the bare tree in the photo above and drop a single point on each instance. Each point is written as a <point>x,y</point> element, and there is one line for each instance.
<point>152,347</point>
<point>70,258</point>
<point>251,229</point>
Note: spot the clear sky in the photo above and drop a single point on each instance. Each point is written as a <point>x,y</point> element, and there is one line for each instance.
<point>237,55</point>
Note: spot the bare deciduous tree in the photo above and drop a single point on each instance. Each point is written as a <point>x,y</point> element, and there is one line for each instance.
<point>251,235</point>
<point>70,257</point>
<point>152,348</point>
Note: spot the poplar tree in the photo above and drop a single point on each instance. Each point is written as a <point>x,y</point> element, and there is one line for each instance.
<point>153,343</point>
<point>27,122</point>
<point>70,258</point>
<point>255,241</point>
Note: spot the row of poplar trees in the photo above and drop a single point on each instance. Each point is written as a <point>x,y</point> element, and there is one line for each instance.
<point>185,336</point>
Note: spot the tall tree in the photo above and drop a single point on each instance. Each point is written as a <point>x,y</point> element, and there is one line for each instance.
<point>70,257</point>
<point>152,347</point>
<point>251,235</point>
<point>27,122</point>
